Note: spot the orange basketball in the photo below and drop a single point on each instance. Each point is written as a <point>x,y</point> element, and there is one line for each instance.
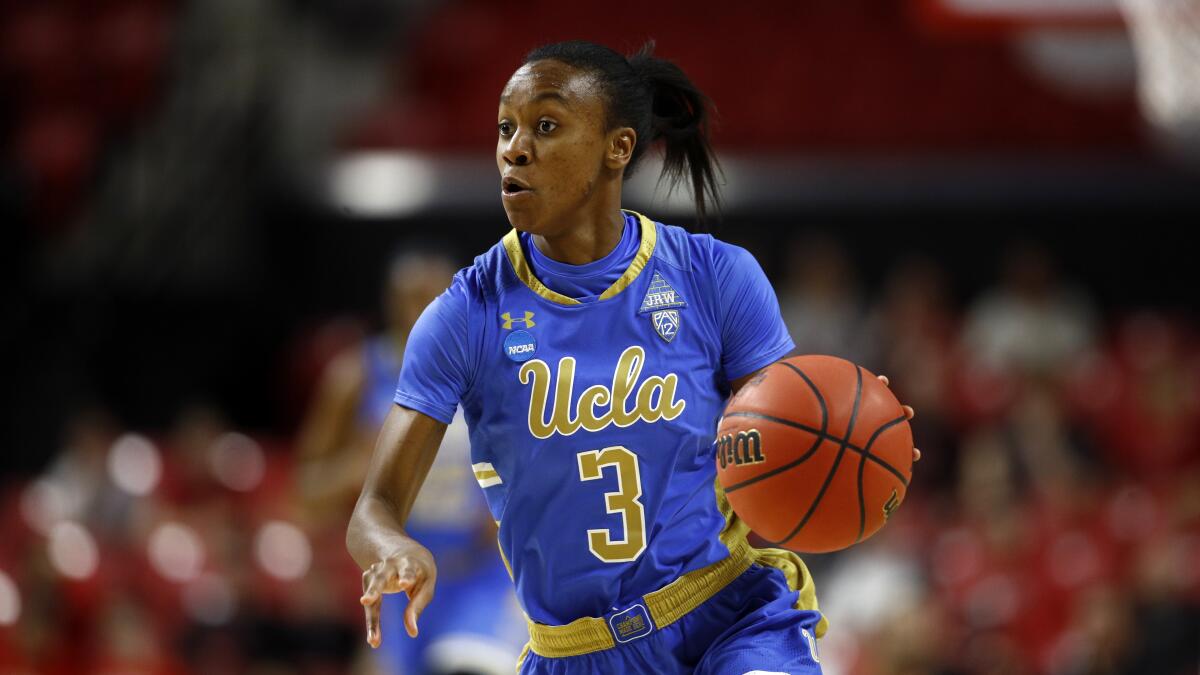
<point>814,453</point>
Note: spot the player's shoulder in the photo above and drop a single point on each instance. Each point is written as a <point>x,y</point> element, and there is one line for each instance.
<point>483,278</point>
<point>698,253</point>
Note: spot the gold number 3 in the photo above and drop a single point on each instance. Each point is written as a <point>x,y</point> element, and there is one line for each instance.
<point>624,501</point>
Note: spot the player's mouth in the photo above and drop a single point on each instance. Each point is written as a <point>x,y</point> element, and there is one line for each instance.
<point>513,188</point>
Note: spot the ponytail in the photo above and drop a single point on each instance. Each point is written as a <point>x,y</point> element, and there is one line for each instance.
<point>655,98</point>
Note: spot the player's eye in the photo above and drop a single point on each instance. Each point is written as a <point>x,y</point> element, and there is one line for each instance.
<point>546,126</point>
<point>505,129</point>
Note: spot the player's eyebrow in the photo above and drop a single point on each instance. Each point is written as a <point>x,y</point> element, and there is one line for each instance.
<point>549,94</point>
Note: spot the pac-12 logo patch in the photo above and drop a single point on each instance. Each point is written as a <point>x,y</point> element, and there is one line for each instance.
<point>666,323</point>
<point>519,346</point>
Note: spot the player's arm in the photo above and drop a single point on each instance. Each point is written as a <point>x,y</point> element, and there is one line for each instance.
<point>752,328</point>
<point>393,562</point>
<point>326,472</point>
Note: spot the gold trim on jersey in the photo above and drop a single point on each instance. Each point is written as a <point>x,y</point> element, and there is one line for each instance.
<point>649,239</point>
<point>516,257</point>
<point>798,579</point>
<point>486,474</point>
<point>789,563</point>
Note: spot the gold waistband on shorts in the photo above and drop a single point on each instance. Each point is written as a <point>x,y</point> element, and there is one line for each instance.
<point>666,606</point>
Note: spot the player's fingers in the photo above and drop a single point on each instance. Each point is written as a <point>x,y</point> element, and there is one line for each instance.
<point>909,412</point>
<point>418,598</point>
<point>884,379</point>
<point>916,455</point>
<point>374,634</point>
<point>410,620</point>
<point>374,582</point>
<point>408,576</point>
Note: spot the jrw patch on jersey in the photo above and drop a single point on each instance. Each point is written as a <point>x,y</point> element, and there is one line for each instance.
<point>660,295</point>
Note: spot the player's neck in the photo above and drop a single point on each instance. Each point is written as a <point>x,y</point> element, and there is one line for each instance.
<point>592,234</point>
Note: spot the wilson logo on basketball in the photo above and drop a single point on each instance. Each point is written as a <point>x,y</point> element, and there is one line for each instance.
<point>890,505</point>
<point>744,447</point>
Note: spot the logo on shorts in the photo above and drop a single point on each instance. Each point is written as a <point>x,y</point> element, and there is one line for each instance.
<point>519,346</point>
<point>666,323</point>
<point>631,624</point>
<point>812,645</point>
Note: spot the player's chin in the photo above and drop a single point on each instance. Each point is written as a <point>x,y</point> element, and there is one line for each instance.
<point>523,218</point>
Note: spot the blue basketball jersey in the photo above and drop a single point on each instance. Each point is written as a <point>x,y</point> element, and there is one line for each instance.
<point>592,423</point>
<point>381,367</point>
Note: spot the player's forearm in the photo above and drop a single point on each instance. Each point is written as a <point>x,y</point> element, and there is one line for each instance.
<point>406,448</point>
<point>375,531</point>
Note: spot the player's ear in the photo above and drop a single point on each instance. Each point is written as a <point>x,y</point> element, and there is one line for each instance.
<point>621,142</point>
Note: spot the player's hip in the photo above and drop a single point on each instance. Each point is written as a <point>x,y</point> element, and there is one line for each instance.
<point>717,621</point>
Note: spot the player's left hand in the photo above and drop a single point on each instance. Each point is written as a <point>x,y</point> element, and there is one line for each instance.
<point>908,411</point>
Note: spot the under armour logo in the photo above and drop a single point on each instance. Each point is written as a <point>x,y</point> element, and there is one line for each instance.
<point>509,321</point>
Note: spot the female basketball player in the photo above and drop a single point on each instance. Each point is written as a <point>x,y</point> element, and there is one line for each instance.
<point>592,351</point>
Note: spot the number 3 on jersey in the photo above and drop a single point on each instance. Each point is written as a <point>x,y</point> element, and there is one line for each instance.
<point>624,501</point>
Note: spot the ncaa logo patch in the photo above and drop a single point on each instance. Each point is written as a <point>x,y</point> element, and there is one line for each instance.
<point>519,346</point>
<point>666,323</point>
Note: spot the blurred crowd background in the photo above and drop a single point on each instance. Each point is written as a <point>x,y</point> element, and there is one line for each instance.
<point>221,216</point>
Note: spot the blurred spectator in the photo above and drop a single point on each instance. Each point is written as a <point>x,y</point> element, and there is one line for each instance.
<point>912,334</point>
<point>95,477</point>
<point>1142,398</point>
<point>1032,322</point>
<point>355,393</point>
<point>819,299</point>
<point>473,626</point>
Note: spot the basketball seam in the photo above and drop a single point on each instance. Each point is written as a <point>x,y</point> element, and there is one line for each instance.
<point>812,508</point>
<point>820,437</point>
<point>862,465</point>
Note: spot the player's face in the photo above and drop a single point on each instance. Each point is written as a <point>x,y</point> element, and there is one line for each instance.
<point>411,288</point>
<point>551,145</point>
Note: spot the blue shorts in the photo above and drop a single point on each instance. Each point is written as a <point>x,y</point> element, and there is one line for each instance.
<point>750,626</point>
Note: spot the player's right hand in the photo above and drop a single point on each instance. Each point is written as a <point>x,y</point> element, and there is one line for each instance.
<point>409,570</point>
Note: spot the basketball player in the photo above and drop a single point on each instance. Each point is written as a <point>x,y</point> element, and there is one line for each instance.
<point>476,611</point>
<point>592,351</point>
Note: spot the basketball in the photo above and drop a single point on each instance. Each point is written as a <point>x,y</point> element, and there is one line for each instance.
<point>814,454</point>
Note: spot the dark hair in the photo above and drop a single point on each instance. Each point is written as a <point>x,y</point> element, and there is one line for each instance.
<point>658,101</point>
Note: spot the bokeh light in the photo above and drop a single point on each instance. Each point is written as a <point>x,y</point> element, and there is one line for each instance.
<point>10,601</point>
<point>73,551</point>
<point>379,184</point>
<point>282,550</point>
<point>134,464</point>
<point>44,503</point>
<point>237,462</point>
<point>176,552</point>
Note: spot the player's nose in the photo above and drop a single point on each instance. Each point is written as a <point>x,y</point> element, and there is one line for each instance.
<point>518,151</point>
